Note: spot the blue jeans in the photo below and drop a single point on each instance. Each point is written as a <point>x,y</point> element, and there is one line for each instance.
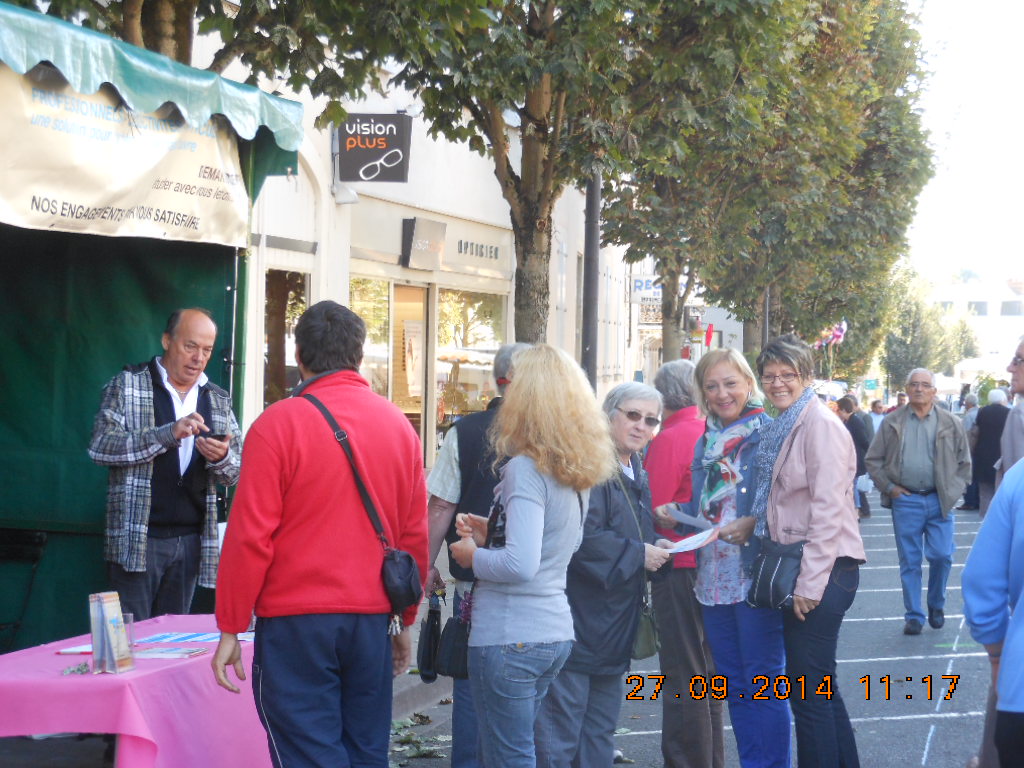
<point>824,736</point>
<point>509,683</point>
<point>465,741</point>
<point>167,584</point>
<point>747,643</point>
<point>916,518</point>
<point>322,685</point>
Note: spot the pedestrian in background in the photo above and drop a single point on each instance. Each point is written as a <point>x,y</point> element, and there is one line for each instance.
<point>988,446</point>
<point>847,413</point>
<point>806,469</point>
<point>692,734</point>
<point>606,585</point>
<point>557,443</point>
<point>969,417</point>
<point>745,642</point>
<point>920,463</point>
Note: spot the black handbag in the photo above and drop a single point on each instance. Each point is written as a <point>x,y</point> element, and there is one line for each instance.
<point>774,574</point>
<point>399,571</point>
<point>452,658</point>
<point>430,636</point>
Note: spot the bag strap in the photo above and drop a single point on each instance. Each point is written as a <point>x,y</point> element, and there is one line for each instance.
<point>342,437</point>
<point>645,590</point>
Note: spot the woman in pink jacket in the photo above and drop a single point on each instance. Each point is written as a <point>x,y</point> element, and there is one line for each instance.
<point>805,493</point>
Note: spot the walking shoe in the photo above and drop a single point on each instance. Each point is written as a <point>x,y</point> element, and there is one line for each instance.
<point>912,627</point>
<point>862,514</point>
<point>966,508</point>
<point>936,618</point>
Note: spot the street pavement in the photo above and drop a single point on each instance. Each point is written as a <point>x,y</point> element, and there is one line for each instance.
<point>905,728</point>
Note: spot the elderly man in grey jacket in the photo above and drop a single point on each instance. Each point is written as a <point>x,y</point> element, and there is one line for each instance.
<point>920,463</point>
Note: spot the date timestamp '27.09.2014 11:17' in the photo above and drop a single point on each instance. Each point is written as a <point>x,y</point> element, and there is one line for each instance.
<point>763,687</point>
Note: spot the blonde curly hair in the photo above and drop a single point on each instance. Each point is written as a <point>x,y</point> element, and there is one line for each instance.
<point>550,414</point>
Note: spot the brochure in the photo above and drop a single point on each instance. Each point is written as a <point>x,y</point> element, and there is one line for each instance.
<point>111,650</point>
<point>169,653</point>
<point>695,542</point>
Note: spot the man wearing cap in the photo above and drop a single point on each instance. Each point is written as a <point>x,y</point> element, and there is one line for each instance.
<point>920,463</point>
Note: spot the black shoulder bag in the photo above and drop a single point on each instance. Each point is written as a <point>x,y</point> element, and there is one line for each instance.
<point>400,573</point>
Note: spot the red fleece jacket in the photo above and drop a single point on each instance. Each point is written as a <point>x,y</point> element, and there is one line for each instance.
<point>298,538</point>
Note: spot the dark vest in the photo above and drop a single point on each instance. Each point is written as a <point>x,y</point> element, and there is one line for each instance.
<point>178,503</point>
<point>478,478</point>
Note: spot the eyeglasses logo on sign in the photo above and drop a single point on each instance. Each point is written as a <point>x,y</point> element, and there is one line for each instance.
<point>373,148</point>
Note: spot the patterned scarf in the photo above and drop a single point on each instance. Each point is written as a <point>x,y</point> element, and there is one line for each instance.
<point>721,447</point>
<point>772,439</point>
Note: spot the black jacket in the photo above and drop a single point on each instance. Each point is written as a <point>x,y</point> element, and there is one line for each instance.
<point>606,576</point>
<point>861,441</point>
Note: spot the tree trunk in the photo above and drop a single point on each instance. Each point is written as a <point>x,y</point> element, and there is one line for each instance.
<point>751,337</point>
<point>533,281</point>
<point>671,318</point>
<point>158,30</point>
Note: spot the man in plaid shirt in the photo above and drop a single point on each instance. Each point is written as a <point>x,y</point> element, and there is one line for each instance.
<point>169,437</point>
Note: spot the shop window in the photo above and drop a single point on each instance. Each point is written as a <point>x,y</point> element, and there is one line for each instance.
<point>1012,308</point>
<point>287,298</point>
<point>370,299</point>
<point>979,308</point>
<point>470,329</point>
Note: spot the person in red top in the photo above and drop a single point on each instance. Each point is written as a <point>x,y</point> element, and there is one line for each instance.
<point>301,552</point>
<point>691,733</point>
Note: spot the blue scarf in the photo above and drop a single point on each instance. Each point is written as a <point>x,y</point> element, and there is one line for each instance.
<point>772,438</point>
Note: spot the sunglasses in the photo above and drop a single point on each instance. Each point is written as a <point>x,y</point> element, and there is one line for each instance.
<point>650,421</point>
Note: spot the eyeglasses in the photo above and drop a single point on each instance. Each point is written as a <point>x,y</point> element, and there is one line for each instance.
<point>650,421</point>
<point>785,378</point>
<point>1016,361</point>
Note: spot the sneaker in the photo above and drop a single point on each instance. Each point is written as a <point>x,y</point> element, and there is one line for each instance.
<point>912,627</point>
<point>617,756</point>
<point>936,618</point>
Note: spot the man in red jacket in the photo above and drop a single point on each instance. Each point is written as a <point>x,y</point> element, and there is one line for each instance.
<point>301,552</point>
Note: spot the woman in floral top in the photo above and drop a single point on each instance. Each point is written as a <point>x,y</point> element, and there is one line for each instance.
<point>746,643</point>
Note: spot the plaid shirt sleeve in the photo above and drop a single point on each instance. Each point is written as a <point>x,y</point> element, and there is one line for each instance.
<point>123,433</point>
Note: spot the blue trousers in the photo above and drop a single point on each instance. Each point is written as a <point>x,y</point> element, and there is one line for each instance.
<point>322,684</point>
<point>747,643</point>
<point>824,736</point>
<point>577,721</point>
<point>509,682</point>
<point>465,741</point>
<point>918,519</point>
<point>167,584</point>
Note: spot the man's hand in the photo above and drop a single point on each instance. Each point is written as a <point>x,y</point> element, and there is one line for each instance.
<point>228,652</point>
<point>213,450</point>
<point>655,557</point>
<point>462,550</point>
<point>434,581</point>
<point>802,606</point>
<point>189,426</point>
<point>898,490</point>
<point>401,652</point>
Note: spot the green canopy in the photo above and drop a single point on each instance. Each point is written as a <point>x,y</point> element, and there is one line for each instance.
<point>147,80</point>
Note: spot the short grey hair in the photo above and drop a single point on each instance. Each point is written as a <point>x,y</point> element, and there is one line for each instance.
<point>931,376</point>
<point>788,349</point>
<point>630,390</point>
<point>675,380</point>
<point>970,399</point>
<point>503,362</point>
<point>997,397</point>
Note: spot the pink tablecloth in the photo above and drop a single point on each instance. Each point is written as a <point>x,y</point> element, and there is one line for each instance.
<point>168,713</point>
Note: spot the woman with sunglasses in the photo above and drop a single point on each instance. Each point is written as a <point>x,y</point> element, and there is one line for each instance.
<point>746,642</point>
<point>606,585</point>
<point>804,492</point>
<point>557,445</point>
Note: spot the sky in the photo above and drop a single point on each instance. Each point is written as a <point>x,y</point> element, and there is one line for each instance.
<point>970,214</point>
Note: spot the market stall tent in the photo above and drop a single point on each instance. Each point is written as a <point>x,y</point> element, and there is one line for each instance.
<point>126,180</point>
